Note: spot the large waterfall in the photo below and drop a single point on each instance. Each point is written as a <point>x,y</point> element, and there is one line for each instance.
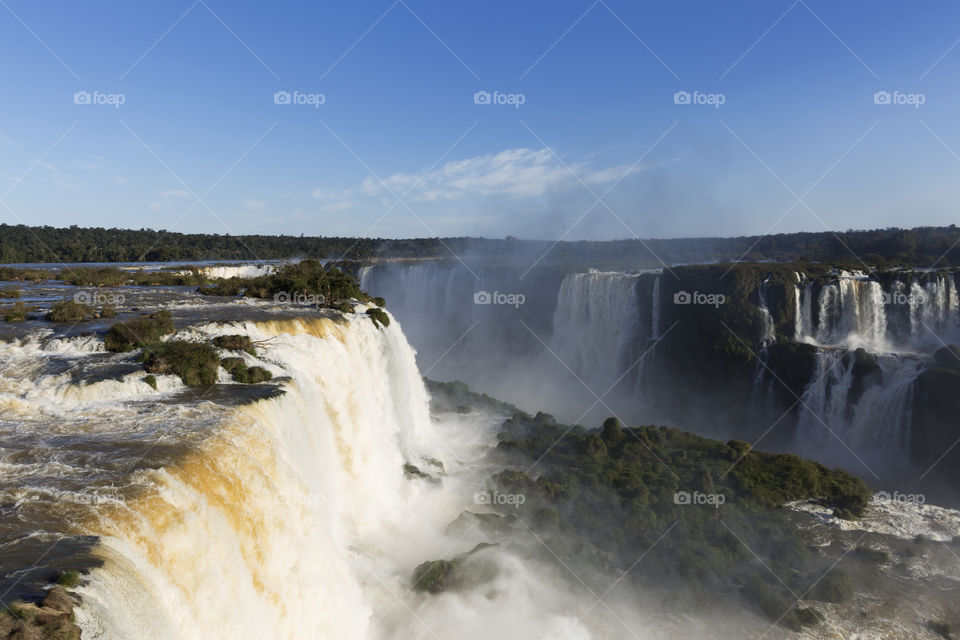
<point>596,325</point>
<point>915,311</point>
<point>285,517</point>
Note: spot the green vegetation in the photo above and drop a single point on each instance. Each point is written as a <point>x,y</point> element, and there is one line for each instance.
<point>16,313</point>
<point>151,380</point>
<point>235,343</point>
<point>114,277</point>
<point>434,576</point>
<point>69,579</point>
<point>605,496</point>
<point>69,311</point>
<point>12,274</point>
<point>195,362</point>
<point>306,282</point>
<point>237,368</point>
<point>379,316</point>
<point>10,292</point>
<point>138,332</point>
<point>922,246</point>
<point>836,586</point>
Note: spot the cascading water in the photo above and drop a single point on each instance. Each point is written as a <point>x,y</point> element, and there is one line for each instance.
<point>286,517</point>
<point>595,325</point>
<point>917,311</point>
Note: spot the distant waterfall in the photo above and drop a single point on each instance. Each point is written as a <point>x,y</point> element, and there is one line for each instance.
<point>880,417</point>
<point>596,324</point>
<point>916,311</point>
<point>655,310</point>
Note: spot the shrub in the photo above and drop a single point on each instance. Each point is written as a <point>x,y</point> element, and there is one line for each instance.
<point>9,292</point>
<point>108,311</point>
<point>17,313</point>
<point>69,311</point>
<point>237,368</point>
<point>195,362</point>
<point>69,579</point>
<point>379,316</point>
<point>235,343</point>
<point>151,380</point>
<point>133,334</point>
<point>836,586</point>
<point>380,302</point>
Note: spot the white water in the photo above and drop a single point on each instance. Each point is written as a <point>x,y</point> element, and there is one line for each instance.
<point>294,519</point>
<point>595,325</point>
<point>856,311</point>
<point>239,271</point>
<point>879,419</point>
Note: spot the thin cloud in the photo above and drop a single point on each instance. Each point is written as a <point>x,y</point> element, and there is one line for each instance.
<point>509,174</point>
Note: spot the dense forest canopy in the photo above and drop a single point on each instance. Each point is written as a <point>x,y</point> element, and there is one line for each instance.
<point>922,247</point>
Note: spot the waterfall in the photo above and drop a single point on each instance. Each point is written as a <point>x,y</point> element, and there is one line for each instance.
<point>655,310</point>
<point>595,325</point>
<point>255,533</point>
<point>879,419</point>
<point>803,311</point>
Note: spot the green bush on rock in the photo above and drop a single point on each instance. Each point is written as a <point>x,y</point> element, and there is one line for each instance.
<point>195,362</point>
<point>235,343</point>
<point>136,333</point>
<point>379,316</point>
<point>69,311</point>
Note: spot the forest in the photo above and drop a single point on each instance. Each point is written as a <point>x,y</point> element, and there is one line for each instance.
<point>919,247</point>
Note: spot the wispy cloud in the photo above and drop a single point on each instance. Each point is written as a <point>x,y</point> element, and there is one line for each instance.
<point>509,174</point>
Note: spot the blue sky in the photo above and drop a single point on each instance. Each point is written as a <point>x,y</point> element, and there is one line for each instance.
<point>599,148</point>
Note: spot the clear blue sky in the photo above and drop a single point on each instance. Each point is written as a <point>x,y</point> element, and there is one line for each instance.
<point>199,144</point>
